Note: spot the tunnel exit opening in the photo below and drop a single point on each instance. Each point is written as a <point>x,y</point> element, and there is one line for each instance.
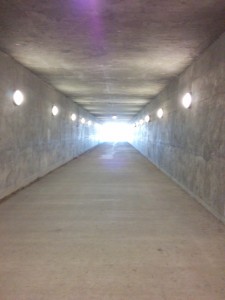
<point>116,132</point>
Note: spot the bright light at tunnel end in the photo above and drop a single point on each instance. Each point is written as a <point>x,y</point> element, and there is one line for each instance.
<point>116,132</point>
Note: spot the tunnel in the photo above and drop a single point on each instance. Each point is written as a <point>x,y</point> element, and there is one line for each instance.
<point>112,150</point>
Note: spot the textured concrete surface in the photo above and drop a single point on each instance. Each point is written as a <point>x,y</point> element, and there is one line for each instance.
<point>109,225</point>
<point>32,141</point>
<point>189,145</point>
<point>111,56</point>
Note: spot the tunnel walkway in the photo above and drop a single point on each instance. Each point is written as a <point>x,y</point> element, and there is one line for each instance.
<point>109,225</point>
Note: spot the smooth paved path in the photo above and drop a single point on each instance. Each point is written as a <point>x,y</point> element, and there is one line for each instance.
<point>109,225</point>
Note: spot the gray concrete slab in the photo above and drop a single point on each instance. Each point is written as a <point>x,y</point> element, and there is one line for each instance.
<point>109,225</point>
<point>33,142</point>
<point>189,144</point>
<point>108,54</point>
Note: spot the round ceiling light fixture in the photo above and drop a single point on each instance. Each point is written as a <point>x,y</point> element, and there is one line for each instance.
<point>55,110</point>
<point>147,118</point>
<point>73,117</point>
<point>82,120</point>
<point>141,122</point>
<point>187,100</point>
<point>18,97</point>
<point>160,113</point>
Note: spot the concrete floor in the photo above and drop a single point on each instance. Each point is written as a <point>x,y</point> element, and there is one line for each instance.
<point>109,225</point>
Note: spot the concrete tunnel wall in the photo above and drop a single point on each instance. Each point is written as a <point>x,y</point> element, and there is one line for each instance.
<point>32,141</point>
<point>189,144</point>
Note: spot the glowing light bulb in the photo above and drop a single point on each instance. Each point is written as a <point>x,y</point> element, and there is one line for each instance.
<point>147,118</point>
<point>18,97</point>
<point>73,117</point>
<point>160,113</point>
<point>55,110</point>
<point>187,100</point>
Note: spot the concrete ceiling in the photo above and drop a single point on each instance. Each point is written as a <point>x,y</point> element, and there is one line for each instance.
<point>110,56</point>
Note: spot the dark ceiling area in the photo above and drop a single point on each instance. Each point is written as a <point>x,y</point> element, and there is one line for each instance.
<point>110,56</point>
